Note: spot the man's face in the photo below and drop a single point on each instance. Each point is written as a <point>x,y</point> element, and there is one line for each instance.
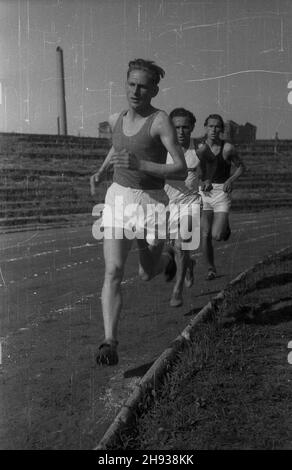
<point>140,89</point>
<point>183,129</point>
<point>214,128</point>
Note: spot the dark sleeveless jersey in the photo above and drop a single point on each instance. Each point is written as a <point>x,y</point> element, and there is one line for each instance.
<point>145,147</point>
<point>223,167</point>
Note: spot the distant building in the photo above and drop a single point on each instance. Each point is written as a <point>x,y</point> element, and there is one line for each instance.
<point>104,130</point>
<point>237,133</point>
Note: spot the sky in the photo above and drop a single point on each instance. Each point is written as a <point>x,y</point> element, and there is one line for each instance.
<point>231,57</point>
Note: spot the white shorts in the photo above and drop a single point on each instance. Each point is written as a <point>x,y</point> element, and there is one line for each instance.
<point>140,213</point>
<point>178,223</point>
<point>216,200</point>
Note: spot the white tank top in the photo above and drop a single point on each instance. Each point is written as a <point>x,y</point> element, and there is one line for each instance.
<point>182,191</point>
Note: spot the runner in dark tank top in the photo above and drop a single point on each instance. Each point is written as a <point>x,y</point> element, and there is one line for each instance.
<point>142,136</point>
<point>217,203</point>
<point>223,166</point>
<point>145,148</point>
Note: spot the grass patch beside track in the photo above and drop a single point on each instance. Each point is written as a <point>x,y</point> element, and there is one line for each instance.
<point>231,388</point>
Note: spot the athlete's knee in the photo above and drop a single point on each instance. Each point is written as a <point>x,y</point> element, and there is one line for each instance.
<point>180,253</point>
<point>145,270</point>
<point>177,245</point>
<point>206,233</point>
<point>145,275</point>
<point>218,236</point>
<point>114,273</point>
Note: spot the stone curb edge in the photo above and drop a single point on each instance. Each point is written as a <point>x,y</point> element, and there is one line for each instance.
<point>160,366</point>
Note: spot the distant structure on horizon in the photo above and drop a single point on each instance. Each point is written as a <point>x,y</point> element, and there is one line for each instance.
<point>239,134</point>
<point>104,130</point>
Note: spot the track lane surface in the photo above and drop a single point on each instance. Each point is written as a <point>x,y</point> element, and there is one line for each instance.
<point>52,393</point>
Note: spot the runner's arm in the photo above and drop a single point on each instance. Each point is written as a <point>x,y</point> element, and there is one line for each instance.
<point>107,161</point>
<point>99,175</point>
<point>177,170</point>
<point>232,155</point>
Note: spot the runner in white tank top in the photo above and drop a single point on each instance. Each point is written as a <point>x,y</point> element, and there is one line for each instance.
<point>184,206</point>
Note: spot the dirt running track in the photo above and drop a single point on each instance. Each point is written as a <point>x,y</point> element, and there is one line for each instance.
<point>52,395</point>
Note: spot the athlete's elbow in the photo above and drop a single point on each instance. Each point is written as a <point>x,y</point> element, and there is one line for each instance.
<point>184,170</point>
<point>179,172</point>
<point>242,170</point>
<point>182,174</point>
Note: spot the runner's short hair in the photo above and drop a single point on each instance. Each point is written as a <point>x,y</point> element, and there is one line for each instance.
<point>182,112</point>
<point>149,66</point>
<point>215,116</point>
